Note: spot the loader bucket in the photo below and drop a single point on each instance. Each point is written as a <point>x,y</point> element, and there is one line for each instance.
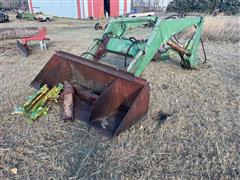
<point>106,98</point>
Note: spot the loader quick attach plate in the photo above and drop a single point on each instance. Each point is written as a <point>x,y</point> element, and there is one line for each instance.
<point>106,98</point>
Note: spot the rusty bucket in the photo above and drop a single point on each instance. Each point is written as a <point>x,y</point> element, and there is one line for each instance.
<point>106,98</point>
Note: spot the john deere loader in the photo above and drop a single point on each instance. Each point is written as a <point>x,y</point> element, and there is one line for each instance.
<point>112,98</point>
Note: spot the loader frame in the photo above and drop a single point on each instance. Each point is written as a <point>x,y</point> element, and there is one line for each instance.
<point>143,51</point>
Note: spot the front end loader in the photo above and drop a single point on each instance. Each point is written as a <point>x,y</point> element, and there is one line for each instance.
<point>112,98</point>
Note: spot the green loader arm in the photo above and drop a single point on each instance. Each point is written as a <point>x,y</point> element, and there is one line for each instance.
<point>163,31</point>
<point>142,52</point>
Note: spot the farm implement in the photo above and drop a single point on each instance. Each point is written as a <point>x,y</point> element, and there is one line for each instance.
<point>14,33</point>
<point>102,24</point>
<point>22,44</point>
<point>112,98</point>
<point>35,105</point>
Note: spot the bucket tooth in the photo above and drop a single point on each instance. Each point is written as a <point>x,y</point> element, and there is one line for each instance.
<point>106,98</point>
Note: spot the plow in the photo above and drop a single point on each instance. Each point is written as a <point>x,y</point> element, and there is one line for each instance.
<point>112,98</point>
<point>22,44</point>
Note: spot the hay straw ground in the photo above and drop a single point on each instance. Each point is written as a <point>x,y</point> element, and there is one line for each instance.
<point>222,28</point>
<point>219,29</point>
<point>200,139</point>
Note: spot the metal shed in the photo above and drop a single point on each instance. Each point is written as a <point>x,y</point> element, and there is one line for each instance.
<point>81,9</point>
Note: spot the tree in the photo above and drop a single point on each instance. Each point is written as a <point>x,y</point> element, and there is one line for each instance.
<point>209,6</point>
<point>230,7</point>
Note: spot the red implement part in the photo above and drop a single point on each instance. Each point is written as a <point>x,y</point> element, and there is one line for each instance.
<point>40,36</point>
<point>106,98</point>
<point>68,101</point>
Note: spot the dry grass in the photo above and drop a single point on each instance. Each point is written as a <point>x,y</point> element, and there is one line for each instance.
<point>222,28</point>
<point>219,29</point>
<point>200,140</point>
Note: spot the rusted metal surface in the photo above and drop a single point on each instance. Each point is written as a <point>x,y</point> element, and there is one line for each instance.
<point>85,94</point>
<point>137,110</point>
<point>106,98</point>
<point>68,101</point>
<point>178,48</point>
<point>13,33</point>
<point>101,49</point>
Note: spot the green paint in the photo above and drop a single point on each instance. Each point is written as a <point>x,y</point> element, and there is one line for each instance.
<point>35,106</point>
<point>144,51</point>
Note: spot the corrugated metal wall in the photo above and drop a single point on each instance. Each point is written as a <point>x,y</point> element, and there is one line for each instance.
<point>61,8</point>
<point>120,7</point>
<point>81,9</point>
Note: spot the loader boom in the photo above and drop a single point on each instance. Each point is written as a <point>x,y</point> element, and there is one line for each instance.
<point>142,51</point>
